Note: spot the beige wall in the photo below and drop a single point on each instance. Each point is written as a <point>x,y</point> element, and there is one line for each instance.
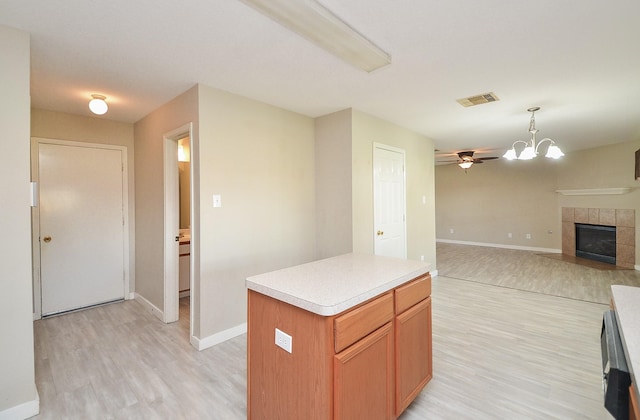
<point>333,159</point>
<point>62,126</point>
<point>368,130</point>
<point>603,167</point>
<point>149,186</point>
<point>17,375</point>
<point>260,159</point>
<point>498,197</point>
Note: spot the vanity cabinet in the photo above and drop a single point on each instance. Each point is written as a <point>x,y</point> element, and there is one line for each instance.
<point>368,361</point>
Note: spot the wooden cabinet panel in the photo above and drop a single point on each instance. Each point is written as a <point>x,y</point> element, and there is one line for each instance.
<point>363,378</point>
<point>282,385</point>
<point>413,353</point>
<point>412,293</point>
<point>361,321</point>
<point>634,409</point>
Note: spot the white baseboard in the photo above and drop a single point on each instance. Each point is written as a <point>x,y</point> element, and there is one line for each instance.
<point>637,267</point>
<point>222,336</point>
<point>132,295</point>
<point>22,411</point>
<point>434,273</point>
<point>522,248</point>
<point>149,307</point>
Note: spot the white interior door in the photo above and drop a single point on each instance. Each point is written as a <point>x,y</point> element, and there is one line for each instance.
<point>389,202</point>
<point>82,250</point>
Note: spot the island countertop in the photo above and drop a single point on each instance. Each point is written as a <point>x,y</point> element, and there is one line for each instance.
<point>333,285</point>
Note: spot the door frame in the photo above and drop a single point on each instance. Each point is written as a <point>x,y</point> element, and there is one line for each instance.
<point>172,226</point>
<point>376,147</point>
<point>35,213</point>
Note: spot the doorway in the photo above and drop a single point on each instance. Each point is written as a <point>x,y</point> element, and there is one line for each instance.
<point>80,225</point>
<point>178,240</point>
<point>389,197</point>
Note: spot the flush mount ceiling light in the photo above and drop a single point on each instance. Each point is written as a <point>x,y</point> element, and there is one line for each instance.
<point>98,105</point>
<point>531,148</point>
<point>319,25</point>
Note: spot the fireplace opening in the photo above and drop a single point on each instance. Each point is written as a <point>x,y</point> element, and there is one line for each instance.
<point>596,242</point>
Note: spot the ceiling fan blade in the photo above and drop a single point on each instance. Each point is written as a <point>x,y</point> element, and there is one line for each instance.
<point>489,158</point>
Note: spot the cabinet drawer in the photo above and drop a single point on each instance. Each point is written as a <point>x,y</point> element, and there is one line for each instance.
<point>356,324</point>
<point>412,293</point>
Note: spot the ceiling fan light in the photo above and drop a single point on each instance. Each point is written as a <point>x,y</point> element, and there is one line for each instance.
<point>98,105</point>
<point>554,152</point>
<point>528,153</point>
<point>466,164</point>
<point>510,154</point>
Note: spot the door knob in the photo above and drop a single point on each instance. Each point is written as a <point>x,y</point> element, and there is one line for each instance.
<point>177,239</point>
<point>380,233</point>
<point>47,239</point>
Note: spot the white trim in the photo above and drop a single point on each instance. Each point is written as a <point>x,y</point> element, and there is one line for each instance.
<point>523,248</point>
<point>637,267</point>
<point>218,338</point>
<point>149,307</point>
<point>434,273</point>
<point>132,295</point>
<point>22,411</point>
<point>35,214</point>
<point>596,191</point>
<point>171,222</point>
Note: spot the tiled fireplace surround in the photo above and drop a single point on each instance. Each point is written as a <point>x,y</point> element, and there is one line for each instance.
<point>623,219</point>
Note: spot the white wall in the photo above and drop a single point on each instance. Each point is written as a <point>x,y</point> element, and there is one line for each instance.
<point>62,126</point>
<point>368,130</point>
<point>334,226</point>
<point>149,187</point>
<point>260,159</point>
<point>18,397</point>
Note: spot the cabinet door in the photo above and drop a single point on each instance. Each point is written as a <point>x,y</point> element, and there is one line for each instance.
<point>413,353</point>
<point>363,378</point>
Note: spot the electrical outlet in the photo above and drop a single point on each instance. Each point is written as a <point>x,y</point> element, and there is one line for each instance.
<point>509,235</point>
<point>421,257</point>
<point>284,340</point>
<point>451,230</point>
<point>528,236</point>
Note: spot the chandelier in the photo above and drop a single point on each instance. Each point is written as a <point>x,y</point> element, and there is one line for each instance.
<point>530,147</point>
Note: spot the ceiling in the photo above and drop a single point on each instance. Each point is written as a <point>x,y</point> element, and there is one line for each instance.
<point>579,60</point>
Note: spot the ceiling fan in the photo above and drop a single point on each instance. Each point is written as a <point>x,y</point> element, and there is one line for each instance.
<point>466,159</point>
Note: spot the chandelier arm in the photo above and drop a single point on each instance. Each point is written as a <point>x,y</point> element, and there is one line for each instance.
<point>526,143</point>
<point>542,141</point>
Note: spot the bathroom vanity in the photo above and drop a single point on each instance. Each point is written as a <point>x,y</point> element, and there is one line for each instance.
<point>341,338</point>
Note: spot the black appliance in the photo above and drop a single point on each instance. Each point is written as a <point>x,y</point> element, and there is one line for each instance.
<point>615,372</point>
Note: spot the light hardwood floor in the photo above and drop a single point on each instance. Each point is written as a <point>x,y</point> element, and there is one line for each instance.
<point>499,352</point>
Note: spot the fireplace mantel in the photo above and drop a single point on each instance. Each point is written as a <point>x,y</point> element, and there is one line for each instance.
<point>596,191</point>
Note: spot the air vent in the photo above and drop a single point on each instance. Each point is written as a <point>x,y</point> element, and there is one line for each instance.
<point>478,99</point>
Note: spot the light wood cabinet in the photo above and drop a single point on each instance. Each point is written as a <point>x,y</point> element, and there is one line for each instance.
<point>369,362</point>
<point>634,409</point>
<point>363,378</point>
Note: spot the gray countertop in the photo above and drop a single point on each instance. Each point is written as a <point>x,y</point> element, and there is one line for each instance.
<point>333,285</point>
<point>627,302</point>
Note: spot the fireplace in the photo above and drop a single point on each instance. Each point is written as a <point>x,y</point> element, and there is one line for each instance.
<point>596,242</point>
<point>622,220</point>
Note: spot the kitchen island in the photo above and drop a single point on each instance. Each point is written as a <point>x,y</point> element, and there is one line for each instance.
<point>341,338</point>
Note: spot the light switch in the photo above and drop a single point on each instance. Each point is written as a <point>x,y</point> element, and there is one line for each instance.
<point>217,200</point>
